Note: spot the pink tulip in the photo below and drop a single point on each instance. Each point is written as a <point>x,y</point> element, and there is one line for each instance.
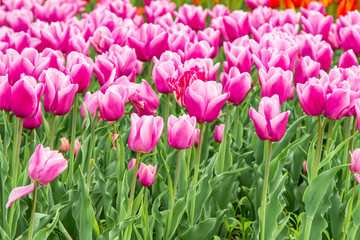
<point>149,41</point>
<point>347,59</point>
<point>35,122</point>
<point>181,131</point>
<point>219,132</point>
<point>252,4</point>
<point>312,96</point>
<point>337,103</point>
<point>5,94</point>
<point>102,39</point>
<point>78,43</point>
<point>77,146</point>
<point>55,59</point>
<point>196,138</point>
<point>131,163</point>
<point>79,67</point>
<point>205,65</point>
<point>59,92</point>
<point>317,23</point>
<point>357,111</point>
<point>313,6</point>
<point>19,64</point>
<point>113,139</point>
<point>304,167</point>
<point>201,49</point>
<point>19,19</point>
<point>355,161</point>
<point>65,145</point>
<point>157,9</point>
<point>288,16</point>
<point>112,103</point>
<point>145,132</point>
<point>271,57</point>
<point>275,81</point>
<point>146,100</point>
<point>235,25</point>
<point>25,97</point>
<point>306,68</point>
<point>237,56</point>
<point>44,166</point>
<point>193,16</point>
<point>211,36</point>
<point>270,123</point>
<point>238,85</point>
<point>147,175</point>
<point>260,16</point>
<point>204,100</point>
<point>161,73</point>
<point>219,10</point>
<point>91,103</point>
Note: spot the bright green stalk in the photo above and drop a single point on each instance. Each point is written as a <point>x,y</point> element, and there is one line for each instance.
<point>349,213</point>
<point>236,123</point>
<point>177,173</point>
<point>167,107</point>
<point>72,144</point>
<point>149,71</point>
<point>264,192</point>
<point>346,172</point>
<point>92,141</point>
<point>31,227</point>
<point>329,133</point>
<point>52,132</point>
<point>31,140</point>
<point>196,172</point>
<point>352,133</point>
<point>223,143</point>
<point>122,163</point>
<point>17,152</point>
<point>316,163</point>
<point>146,215</point>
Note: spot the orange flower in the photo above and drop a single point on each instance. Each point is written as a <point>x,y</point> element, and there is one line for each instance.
<point>345,6</point>
<point>196,1</point>
<point>216,1</point>
<point>274,3</point>
<point>297,3</point>
<point>139,10</point>
<point>326,2</point>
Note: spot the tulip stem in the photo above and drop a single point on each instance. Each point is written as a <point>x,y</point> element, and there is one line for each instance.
<point>264,192</point>
<point>72,145</point>
<point>132,193</point>
<point>31,140</point>
<point>223,142</point>
<point>308,224</point>
<point>352,133</point>
<point>349,213</point>
<point>196,172</point>
<point>346,172</point>
<point>52,132</point>
<point>17,151</point>
<point>167,107</point>
<point>122,163</point>
<point>92,138</point>
<point>16,130</point>
<point>31,226</point>
<point>316,163</point>
<point>146,215</point>
<point>329,137</point>
<point>177,173</point>
<point>149,71</point>
<point>236,123</point>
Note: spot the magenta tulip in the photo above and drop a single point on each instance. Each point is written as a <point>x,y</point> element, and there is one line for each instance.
<point>237,56</point>
<point>347,59</point>
<point>275,81</point>
<point>181,131</point>
<point>77,146</point>
<point>44,166</point>
<point>25,97</point>
<point>306,68</point>
<point>204,100</point>
<point>59,92</point>
<point>112,103</point>
<point>253,4</point>
<point>355,161</point>
<point>164,69</point>
<point>317,23</point>
<point>350,38</point>
<point>79,67</point>
<point>146,100</point>
<point>238,85</point>
<point>357,110</point>
<point>5,94</point>
<point>270,123</point>
<point>145,132</point>
<point>147,175</point>
<point>304,167</point>
<point>36,121</point>
<point>219,132</point>
<point>193,16</point>
<point>91,103</point>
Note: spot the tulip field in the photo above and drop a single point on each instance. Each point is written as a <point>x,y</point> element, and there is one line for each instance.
<point>185,119</point>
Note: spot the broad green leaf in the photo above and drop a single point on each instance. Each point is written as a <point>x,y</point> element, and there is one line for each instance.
<point>45,232</point>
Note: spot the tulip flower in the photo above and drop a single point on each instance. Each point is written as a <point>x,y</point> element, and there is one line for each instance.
<point>5,94</point>
<point>79,67</point>
<point>306,68</point>
<point>146,101</point>
<point>204,67</point>
<point>25,97</point>
<point>157,9</point>
<point>211,36</point>
<point>59,92</point>
<point>252,4</point>
<point>270,123</point>
<point>91,102</point>
<point>65,145</point>
<point>357,110</point>
<point>347,59</point>
<point>204,100</point>
<point>44,166</point>
<point>36,121</point>
<point>181,131</point>
<point>317,23</point>
<point>131,163</point>
<point>237,56</point>
<point>235,25</point>
<point>145,132</point>
<point>77,146</point>
<point>355,161</point>
<point>200,49</point>
<point>112,103</point>
<point>350,38</point>
<point>102,39</point>
<point>148,41</point>
<point>19,19</point>
<point>275,81</point>
<point>193,16</point>
<point>238,85</point>
<point>161,73</point>
<point>219,132</point>
<point>147,175</point>
<point>312,96</point>
<point>219,10</point>
<point>304,166</point>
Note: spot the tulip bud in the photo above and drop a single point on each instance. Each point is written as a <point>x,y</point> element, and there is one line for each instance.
<point>147,175</point>
<point>219,132</point>
<point>355,161</point>
<point>65,145</point>
<point>304,167</point>
<point>77,146</point>
<point>181,131</point>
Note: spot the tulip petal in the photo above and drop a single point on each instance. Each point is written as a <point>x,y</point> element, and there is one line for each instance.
<point>19,192</point>
<point>278,126</point>
<point>260,124</point>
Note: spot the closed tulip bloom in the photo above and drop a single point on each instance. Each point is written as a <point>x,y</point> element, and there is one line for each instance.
<point>272,57</point>
<point>219,10</point>
<point>337,103</point>
<point>161,73</point>
<point>355,161</point>
<point>44,166</point>
<point>145,97</point>
<point>253,4</point>
<point>147,175</point>
<point>5,94</point>
<point>79,67</point>
<point>312,96</point>
<point>275,81</point>
<point>196,138</point>
<point>204,100</point>
<point>91,102</point>
<point>145,132</point>
<point>77,147</point>
<point>25,97</point>
<point>17,65</point>
<point>102,39</point>
<point>36,121</point>
<point>65,145</point>
<point>193,16</point>
<point>347,59</point>
<point>59,92</point>
<point>181,131</point>
<point>219,132</point>
<point>19,19</point>
<point>131,163</point>
<point>350,38</point>
<point>157,9</point>
<point>112,103</point>
<point>200,49</point>
<point>270,123</point>
<point>211,36</point>
<point>237,56</point>
<point>304,167</point>
<point>306,68</point>
<point>317,23</point>
<point>148,41</point>
<point>235,25</point>
<point>357,111</point>
<point>237,84</point>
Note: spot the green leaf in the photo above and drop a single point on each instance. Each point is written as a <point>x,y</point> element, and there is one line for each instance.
<point>45,232</point>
